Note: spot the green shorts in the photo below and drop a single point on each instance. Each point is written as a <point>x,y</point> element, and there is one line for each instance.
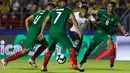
<point>61,38</point>
<point>100,36</point>
<point>32,39</point>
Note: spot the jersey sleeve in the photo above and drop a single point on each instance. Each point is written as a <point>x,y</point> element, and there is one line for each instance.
<point>70,11</point>
<point>117,19</point>
<point>34,14</point>
<point>50,14</point>
<point>92,18</point>
<point>100,12</point>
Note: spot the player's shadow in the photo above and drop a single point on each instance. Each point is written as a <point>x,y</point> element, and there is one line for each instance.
<point>27,68</point>
<point>108,69</point>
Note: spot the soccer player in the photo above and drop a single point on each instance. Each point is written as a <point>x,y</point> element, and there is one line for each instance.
<point>37,20</point>
<point>57,33</point>
<point>108,19</point>
<point>83,18</point>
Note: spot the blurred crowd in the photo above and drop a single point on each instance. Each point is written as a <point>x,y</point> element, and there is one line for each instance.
<point>14,12</point>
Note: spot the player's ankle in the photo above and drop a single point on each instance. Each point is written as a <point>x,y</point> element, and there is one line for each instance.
<point>81,63</point>
<point>5,60</point>
<point>44,68</point>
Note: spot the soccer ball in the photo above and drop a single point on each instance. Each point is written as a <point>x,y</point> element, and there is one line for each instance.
<point>61,59</point>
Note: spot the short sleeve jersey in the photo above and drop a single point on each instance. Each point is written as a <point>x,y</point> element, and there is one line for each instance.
<point>39,17</point>
<point>107,21</point>
<point>59,17</point>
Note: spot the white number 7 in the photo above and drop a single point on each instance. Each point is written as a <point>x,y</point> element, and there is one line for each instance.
<point>59,13</point>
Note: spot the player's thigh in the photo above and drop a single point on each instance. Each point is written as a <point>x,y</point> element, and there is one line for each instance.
<point>97,39</point>
<point>65,41</point>
<point>109,42</point>
<point>52,43</point>
<point>42,42</point>
<point>30,41</point>
<point>29,44</point>
<point>73,35</point>
<point>79,44</point>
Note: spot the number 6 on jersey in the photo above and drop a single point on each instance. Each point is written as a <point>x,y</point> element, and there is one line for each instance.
<point>59,13</point>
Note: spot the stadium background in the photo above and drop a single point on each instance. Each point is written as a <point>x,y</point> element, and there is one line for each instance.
<point>12,27</point>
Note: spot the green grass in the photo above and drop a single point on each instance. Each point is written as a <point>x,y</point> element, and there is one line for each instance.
<point>92,66</point>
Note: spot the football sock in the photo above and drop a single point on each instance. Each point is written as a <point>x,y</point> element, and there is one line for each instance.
<point>73,56</point>
<point>47,57</point>
<point>38,52</point>
<point>87,53</point>
<point>112,56</point>
<point>14,56</point>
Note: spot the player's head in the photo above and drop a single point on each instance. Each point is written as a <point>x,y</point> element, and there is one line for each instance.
<point>63,3</point>
<point>78,3</point>
<point>50,6</point>
<point>83,9</point>
<point>111,7</point>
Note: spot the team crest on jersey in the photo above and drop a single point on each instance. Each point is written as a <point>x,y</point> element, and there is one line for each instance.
<point>106,16</point>
<point>112,19</point>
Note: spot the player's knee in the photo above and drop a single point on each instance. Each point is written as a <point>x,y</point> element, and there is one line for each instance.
<point>77,44</point>
<point>25,51</point>
<point>51,49</point>
<point>110,41</point>
<point>110,44</point>
<point>91,47</point>
<point>45,44</point>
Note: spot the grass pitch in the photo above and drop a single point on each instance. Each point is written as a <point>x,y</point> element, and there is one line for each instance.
<point>92,66</point>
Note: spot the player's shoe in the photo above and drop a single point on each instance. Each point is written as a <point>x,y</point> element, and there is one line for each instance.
<point>4,63</point>
<point>112,66</point>
<point>32,62</point>
<point>81,63</point>
<point>76,67</point>
<point>70,61</point>
<point>44,69</point>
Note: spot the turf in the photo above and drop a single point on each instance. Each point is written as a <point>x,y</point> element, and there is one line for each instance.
<point>92,66</point>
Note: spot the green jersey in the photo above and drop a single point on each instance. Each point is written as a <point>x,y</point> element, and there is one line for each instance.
<point>59,17</point>
<point>107,21</point>
<point>38,19</point>
<point>35,29</point>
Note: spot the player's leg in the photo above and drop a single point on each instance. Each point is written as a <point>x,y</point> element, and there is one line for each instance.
<point>47,57</point>
<point>67,44</point>
<point>112,52</point>
<point>44,45</point>
<point>77,43</point>
<point>14,57</point>
<point>51,48</point>
<point>95,41</point>
<point>27,46</point>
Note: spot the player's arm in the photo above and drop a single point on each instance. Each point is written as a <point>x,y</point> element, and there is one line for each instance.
<point>94,22</point>
<point>30,18</point>
<point>41,36</point>
<point>75,24</point>
<point>92,11</point>
<point>122,28</point>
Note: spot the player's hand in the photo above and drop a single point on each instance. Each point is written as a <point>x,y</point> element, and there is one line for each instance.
<point>40,36</point>
<point>94,23</point>
<point>126,34</point>
<point>90,10</point>
<point>80,35</point>
<point>27,29</point>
